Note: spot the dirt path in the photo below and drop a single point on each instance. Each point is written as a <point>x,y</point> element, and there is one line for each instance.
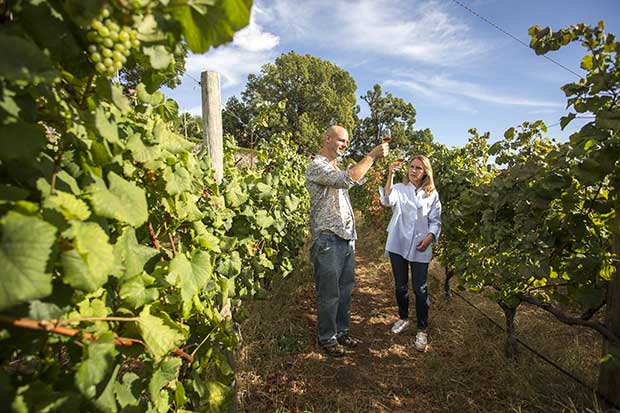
<point>281,369</point>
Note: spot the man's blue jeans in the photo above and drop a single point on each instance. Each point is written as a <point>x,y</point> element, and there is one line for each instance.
<point>334,275</point>
<point>419,270</point>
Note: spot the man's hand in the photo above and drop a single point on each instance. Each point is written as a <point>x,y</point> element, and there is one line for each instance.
<point>379,151</point>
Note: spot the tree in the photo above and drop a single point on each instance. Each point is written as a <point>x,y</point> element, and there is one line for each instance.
<point>236,121</point>
<point>386,111</point>
<point>317,94</point>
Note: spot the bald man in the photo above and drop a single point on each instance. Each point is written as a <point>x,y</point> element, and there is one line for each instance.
<point>333,237</point>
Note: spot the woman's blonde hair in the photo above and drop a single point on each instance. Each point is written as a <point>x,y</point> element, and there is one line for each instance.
<point>428,183</point>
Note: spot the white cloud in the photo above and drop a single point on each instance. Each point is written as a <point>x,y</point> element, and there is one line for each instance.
<point>251,48</point>
<point>414,30</point>
<point>438,87</point>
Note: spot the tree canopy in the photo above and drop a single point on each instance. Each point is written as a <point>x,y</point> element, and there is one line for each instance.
<point>316,93</point>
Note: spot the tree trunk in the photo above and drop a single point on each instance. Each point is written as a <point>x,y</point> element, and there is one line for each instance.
<point>609,373</point>
<point>510,347</point>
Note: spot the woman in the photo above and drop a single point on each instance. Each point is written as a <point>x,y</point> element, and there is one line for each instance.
<point>415,225</point>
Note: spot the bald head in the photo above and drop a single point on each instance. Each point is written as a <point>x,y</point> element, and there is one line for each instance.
<point>336,131</point>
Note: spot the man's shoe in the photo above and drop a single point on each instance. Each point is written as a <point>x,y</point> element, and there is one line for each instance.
<point>348,341</point>
<point>421,341</point>
<point>335,350</point>
<point>400,326</point>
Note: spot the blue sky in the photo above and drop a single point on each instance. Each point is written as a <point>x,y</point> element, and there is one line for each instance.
<point>458,71</point>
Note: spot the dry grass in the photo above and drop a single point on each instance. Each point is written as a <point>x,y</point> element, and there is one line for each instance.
<point>281,369</point>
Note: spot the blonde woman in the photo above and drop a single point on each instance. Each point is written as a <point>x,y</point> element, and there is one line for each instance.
<point>414,227</point>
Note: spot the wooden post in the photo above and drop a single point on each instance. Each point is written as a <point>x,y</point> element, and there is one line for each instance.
<point>212,120</point>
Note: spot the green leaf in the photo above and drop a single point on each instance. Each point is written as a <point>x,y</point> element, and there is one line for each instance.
<point>235,196</point>
<point>106,402</point>
<point>190,277</point>
<point>135,292</point>
<point>133,256</point>
<point>219,396</point>
<point>24,250</point>
<point>21,141</point>
<point>71,207</point>
<point>230,266</point>
<point>123,201</point>
<point>159,339</point>
<point>88,265</point>
<point>263,219</point>
<point>178,181</point>
<point>587,63</point>
<point>214,26</point>
<point>167,371</point>
<point>159,57</point>
<point>126,393</point>
<point>107,129</point>
<point>565,120</point>
<point>23,62</point>
<point>169,111</point>
<point>154,99</point>
<point>97,364</point>
<point>141,152</point>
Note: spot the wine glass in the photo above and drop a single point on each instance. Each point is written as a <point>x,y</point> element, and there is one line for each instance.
<point>386,135</point>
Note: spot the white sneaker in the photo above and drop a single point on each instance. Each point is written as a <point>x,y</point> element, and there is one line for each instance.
<point>399,326</point>
<point>421,341</point>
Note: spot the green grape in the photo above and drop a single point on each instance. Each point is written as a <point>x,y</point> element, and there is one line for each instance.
<point>128,45</point>
<point>106,53</point>
<point>112,26</point>
<point>97,25</point>
<point>95,57</point>
<point>123,35</point>
<point>92,37</point>
<point>126,52</point>
<point>117,56</point>
<point>107,42</point>
<point>113,36</point>
<point>118,65</point>
<point>100,67</point>
<point>105,13</point>
<point>92,48</point>
<point>103,31</point>
<point>108,62</point>
<point>119,47</point>
<point>135,43</point>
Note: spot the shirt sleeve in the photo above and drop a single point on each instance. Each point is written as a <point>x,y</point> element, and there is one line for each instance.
<point>391,199</point>
<point>434,218</point>
<point>324,174</point>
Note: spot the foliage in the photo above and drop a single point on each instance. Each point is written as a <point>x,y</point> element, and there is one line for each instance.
<point>316,93</point>
<point>385,112</point>
<point>118,248</point>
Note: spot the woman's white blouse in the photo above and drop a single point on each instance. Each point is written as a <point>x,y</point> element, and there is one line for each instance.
<point>414,215</point>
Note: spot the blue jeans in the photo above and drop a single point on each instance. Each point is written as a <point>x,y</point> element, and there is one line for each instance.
<point>419,271</point>
<point>333,259</point>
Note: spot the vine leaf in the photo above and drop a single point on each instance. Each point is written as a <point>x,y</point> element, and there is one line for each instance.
<point>20,141</point>
<point>24,250</point>
<point>96,366</point>
<point>159,339</point>
<point>23,62</point>
<point>206,24</point>
<point>132,255</point>
<point>123,201</point>
<point>88,265</point>
<point>167,371</point>
<point>190,277</point>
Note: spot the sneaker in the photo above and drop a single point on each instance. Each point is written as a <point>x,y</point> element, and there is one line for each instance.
<point>421,341</point>
<point>400,326</point>
<point>335,350</point>
<point>348,341</point>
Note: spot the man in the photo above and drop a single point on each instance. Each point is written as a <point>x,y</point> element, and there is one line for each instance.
<point>333,236</point>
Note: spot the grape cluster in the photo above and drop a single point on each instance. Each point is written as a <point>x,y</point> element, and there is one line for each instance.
<point>110,44</point>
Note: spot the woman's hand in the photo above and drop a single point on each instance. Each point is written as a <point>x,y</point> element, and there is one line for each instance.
<point>423,245</point>
<point>394,166</point>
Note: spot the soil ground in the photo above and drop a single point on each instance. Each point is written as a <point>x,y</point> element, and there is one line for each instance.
<point>280,368</point>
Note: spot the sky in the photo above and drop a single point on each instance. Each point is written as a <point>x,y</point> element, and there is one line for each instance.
<point>457,70</point>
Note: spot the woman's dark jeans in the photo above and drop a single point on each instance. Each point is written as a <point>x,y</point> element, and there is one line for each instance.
<point>419,271</point>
